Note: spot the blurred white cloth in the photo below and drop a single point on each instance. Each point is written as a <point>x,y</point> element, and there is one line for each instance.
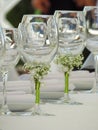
<point>54,81</point>
<point>19,95</point>
<point>19,102</point>
<point>12,75</point>
<point>67,117</point>
<point>52,87</point>
<point>89,63</point>
<point>17,87</point>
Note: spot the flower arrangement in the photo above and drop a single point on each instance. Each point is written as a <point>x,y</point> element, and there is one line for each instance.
<point>38,71</point>
<point>68,62</point>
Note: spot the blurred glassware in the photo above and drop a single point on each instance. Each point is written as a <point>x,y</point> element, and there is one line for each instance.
<point>71,29</point>
<point>2,46</point>
<point>91,18</point>
<point>38,47</point>
<point>10,59</point>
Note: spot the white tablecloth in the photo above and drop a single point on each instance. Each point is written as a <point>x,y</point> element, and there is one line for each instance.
<point>67,117</point>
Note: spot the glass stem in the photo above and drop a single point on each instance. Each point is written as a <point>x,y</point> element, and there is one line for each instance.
<point>37,91</point>
<point>5,77</point>
<point>96,73</point>
<point>66,76</point>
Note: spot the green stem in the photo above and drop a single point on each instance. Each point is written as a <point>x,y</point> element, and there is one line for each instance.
<point>37,12</point>
<point>37,91</point>
<point>66,76</point>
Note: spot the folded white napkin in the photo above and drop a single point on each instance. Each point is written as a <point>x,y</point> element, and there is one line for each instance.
<point>82,74</point>
<point>19,95</point>
<point>89,63</point>
<point>19,86</point>
<point>82,80</point>
<point>17,102</point>
<point>12,75</point>
<point>54,81</point>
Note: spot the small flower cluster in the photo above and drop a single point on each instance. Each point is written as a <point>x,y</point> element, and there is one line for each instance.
<point>38,70</point>
<point>68,62</point>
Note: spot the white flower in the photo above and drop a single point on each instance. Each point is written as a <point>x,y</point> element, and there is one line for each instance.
<point>68,62</point>
<point>38,70</point>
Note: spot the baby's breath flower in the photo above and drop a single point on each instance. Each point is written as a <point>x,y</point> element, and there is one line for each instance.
<point>38,70</point>
<point>68,62</point>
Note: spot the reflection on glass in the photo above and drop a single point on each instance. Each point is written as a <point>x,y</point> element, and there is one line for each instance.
<point>91,17</point>
<point>38,47</point>
<point>10,59</point>
<point>71,44</point>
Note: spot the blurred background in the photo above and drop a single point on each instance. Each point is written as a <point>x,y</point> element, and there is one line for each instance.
<point>11,11</point>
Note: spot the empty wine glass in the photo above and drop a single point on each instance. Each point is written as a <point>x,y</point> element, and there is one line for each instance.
<point>91,18</point>
<point>71,29</point>
<point>10,59</point>
<point>38,47</point>
<point>2,46</point>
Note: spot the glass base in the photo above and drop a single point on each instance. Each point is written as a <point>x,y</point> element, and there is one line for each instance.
<point>35,111</point>
<point>5,111</point>
<point>93,90</point>
<point>38,111</point>
<point>67,100</point>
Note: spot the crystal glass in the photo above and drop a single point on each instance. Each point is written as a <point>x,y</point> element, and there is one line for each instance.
<point>39,44</point>
<point>10,59</point>
<point>2,46</point>
<point>71,29</point>
<point>91,18</point>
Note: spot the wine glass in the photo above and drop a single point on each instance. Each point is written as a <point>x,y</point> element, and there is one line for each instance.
<point>10,59</point>
<point>38,47</point>
<point>91,18</point>
<point>71,29</point>
<point>2,46</point>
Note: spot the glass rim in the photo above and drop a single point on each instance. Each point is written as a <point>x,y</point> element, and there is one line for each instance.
<point>67,11</point>
<point>90,7</point>
<point>35,15</point>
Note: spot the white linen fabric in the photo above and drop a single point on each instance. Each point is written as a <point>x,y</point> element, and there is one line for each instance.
<point>54,81</point>
<point>20,102</point>
<point>89,63</point>
<point>19,95</point>
<point>18,86</point>
<point>67,117</point>
<point>12,75</point>
<point>52,87</point>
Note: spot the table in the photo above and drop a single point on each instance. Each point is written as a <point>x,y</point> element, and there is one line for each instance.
<point>67,117</point>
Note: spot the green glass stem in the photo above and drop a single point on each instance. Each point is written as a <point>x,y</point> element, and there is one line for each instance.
<point>37,12</point>
<point>66,76</point>
<point>37,91</point>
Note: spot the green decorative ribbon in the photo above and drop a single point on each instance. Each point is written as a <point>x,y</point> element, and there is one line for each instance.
<point>37,12</point>
<point>66,76</point>
<point>37,91</point>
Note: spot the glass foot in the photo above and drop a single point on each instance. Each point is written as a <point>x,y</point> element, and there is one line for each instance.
<point>5,111</point>
<point>39,112</point>
<point>36,111</point>
<point>93,90</point>
<point>70,102</point>
<point>67,100</point>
